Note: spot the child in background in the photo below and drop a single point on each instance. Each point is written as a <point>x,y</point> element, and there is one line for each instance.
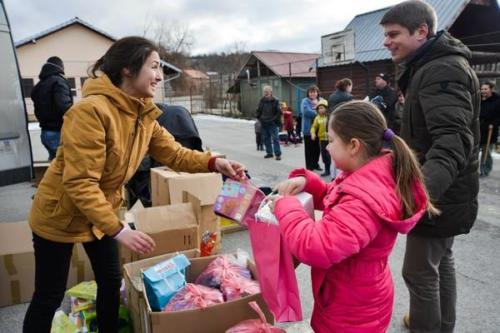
<point>258,134</point>
<point>319,126</point>
<point>378,194</point>
<point>288,124</point>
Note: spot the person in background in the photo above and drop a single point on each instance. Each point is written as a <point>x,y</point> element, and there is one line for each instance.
<point>490,115</point>
<point>398,112</point>
<point>384,97</point>
<point>378,195</point>
<point>104,138</point>
<point>441,124</point>
<point>319,126</point>
<point>258,135</point>
<point>288,124</point>
<point>308,113</point>
<point>52,97</point>
<point>269,114</point>
<point>342,94</point>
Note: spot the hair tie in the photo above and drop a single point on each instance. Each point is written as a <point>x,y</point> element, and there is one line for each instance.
<point>388,134</point>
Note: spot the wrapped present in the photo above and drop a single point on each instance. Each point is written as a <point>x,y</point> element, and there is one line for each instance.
<point>238,200</point>
<point>220,268</point>
<point>194,296</point>
<point>163,280</point>
<point>234,288</point>
<point>255,325</point>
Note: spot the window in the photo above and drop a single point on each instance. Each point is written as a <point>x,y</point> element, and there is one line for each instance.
<point>72,84</point>
<point>27,87</point>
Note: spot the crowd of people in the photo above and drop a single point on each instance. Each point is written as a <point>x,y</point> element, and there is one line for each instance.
<point>402,161</point>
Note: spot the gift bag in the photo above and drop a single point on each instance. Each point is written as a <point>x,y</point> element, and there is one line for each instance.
<point>276,271</point>
<point>164,280</point>
<point>255,325</point>
<point>238,201</point>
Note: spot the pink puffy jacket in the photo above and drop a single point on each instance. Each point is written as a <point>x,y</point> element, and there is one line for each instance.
<point>348,248</point>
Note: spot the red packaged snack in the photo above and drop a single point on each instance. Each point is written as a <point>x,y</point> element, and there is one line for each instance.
<point>255,325</point>
<point>236,287</point>
<point>207,243</point>
<point>221,268</point>
<point>194,296</point>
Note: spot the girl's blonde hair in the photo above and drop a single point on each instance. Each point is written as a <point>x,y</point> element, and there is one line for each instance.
<point>364,121</point>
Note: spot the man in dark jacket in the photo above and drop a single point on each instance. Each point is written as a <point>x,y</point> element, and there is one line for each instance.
<point>52,98</point>
<point>269,114</point>
<point>385,98</point>
<point>441,124</point>
<point>489,116</point>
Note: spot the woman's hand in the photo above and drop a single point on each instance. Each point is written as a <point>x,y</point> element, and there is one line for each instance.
<point>231,169</point>
<point>136,241</point>
<point>291,186</point>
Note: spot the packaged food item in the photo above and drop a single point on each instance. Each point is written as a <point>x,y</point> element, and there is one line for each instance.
<point>255,325</point>
<point>238,200</point>
<point>207,243</point>
<point>80,304</point>
<point>223,267</point>
<point>234,288</point>
<point>264,213</point>
<point>194,296</point>
<point>164,280</point>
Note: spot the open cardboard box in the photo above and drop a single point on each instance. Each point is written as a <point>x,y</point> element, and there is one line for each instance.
<point>173,228</point>
<point>167,188</point>
<point>17,264</point>
<point>132,274</point>
<point>214,319</point>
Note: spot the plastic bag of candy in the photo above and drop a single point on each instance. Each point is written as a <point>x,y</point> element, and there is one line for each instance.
<point>236,287</point>
<point>223,267</point>
<point>255,325</point>
<point>194,296</point>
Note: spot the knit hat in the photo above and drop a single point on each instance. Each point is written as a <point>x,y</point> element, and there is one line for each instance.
<point>323,102</point>
<point>383,76</point>
<point>56,61</point>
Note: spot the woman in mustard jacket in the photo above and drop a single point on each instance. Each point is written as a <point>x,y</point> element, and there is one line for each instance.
<point>104,138</point>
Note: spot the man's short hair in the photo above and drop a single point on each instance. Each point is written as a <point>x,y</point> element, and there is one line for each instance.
<point>411,14</point>
<point>490,84</point>
<point>268,88</point>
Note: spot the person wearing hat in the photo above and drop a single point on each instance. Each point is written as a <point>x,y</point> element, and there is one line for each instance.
<point>288,124</point>
<point>319,126</point>
<point>384,97</point>
<point>52,98</point>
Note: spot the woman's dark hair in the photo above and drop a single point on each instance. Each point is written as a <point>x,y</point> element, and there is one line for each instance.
<point>343,84</point>
<point>365,122</point>
<point>313,88</point>
<point>128,52</point>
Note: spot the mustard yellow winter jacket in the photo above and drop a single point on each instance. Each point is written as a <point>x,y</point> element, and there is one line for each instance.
<point>319,127</point>
<point>103,140</point>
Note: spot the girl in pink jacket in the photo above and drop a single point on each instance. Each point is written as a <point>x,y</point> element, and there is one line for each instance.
<point>379,194</point>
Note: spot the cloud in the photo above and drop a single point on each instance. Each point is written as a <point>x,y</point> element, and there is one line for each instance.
<point>259,24</point>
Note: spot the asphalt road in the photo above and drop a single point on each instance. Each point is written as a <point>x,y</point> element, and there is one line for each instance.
<point>478,272</point>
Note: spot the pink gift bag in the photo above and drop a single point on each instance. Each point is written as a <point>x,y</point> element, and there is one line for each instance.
<point>276,271</point>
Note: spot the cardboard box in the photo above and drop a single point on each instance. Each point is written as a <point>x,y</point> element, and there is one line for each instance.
<point>17,264</point>
<point>134,286</point>
<point>214,319</point>
<point>167,188</point>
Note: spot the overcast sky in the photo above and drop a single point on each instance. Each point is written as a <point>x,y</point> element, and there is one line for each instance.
<point>214,24</point>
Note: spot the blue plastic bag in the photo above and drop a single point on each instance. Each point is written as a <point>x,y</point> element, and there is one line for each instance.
<point>164,280</point>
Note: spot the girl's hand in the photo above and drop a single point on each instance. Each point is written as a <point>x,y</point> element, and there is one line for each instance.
<point>136,241</point>
<point>291,186</point>
<point>231,169</point>
<point>272,201</point>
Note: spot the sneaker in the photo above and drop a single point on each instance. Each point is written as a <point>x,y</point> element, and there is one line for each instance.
<point>406,321</point>
<point>278,158</point>
<point>324,174</point>
<point>318,168</point>
<point>268,156</point>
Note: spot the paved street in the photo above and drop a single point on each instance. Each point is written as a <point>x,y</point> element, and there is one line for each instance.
<point>478,271</point>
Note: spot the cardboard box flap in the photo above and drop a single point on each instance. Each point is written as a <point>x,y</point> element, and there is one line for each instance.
<point>156,219</point>
<point>205,186</point>
<point>17,238</point>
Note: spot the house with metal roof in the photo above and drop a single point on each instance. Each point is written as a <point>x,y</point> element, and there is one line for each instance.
<point>79,44</point>
<point>288,73</point>
<point>358,52</point>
